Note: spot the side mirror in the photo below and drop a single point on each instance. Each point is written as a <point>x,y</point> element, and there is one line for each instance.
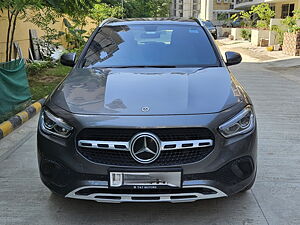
<point>232,58</point>
<point>68,59</point>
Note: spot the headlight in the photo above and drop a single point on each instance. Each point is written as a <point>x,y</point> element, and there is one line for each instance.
<point>242,123</point>
<point>51,124</point>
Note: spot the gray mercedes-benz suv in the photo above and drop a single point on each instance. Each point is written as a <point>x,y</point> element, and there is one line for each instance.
<point>149,112</point>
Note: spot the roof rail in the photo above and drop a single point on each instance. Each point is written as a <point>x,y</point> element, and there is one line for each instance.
<point>199,21</point>
<point>109,20</point>
<point>112,19</point>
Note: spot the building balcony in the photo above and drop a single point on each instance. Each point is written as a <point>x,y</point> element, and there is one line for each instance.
<point>243,4</point>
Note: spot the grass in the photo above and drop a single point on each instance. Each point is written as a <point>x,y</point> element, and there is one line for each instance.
<point>42,81</point>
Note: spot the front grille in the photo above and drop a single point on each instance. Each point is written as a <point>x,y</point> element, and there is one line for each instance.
<point>164,134</point>
<point>166,158</point>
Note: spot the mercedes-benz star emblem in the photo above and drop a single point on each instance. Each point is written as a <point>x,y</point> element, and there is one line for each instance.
<point>145,147</point>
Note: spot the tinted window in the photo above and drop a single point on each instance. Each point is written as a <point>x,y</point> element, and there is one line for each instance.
<point>150,45</point>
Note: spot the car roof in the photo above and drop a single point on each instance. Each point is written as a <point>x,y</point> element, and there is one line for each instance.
<point>171,20</point>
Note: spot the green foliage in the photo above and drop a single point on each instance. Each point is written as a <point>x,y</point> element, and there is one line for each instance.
<point>222,16</point>
<point>75,37</point>
<point>36,68</point>
<point>43,81</point>
<point>44,18</point>
<point>147,8</point>
<point>279,33</point>
<point>71,7</point>
<point>291,22</point>
<point>262,24</point>
<point>245,16</point>
<point>264,12</point>
<point>158,8</point>
<point>297,14</point>
<point>46,13</point>
<point>77,12</point>
<point>246,34</point>
<point>224,19</point>
<point>103,11</point>
<point>15,9</point>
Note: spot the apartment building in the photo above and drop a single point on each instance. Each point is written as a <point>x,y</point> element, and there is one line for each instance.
<point>216,10</point>
<point>282,8</point>
<point>185,8</point>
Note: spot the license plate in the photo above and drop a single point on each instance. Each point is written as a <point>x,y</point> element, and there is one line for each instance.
<point>145,180</point>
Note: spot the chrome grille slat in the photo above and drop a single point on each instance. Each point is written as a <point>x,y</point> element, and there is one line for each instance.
<point>179,144</point>
<point>113,145</point>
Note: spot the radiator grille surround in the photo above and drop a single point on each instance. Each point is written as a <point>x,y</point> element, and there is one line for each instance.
<point>122,156</point>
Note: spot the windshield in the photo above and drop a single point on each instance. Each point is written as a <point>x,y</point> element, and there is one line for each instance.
<point>151,45</point>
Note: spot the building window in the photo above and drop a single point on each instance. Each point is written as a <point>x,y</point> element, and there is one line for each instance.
<point>287,10</point>
<point>272,7</point>
<point>292,8</point>
<point>243,1</point>
<point>225,1</point>
<point>219,1</point>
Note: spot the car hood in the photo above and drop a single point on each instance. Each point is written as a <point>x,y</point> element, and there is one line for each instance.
<point>147,91</point>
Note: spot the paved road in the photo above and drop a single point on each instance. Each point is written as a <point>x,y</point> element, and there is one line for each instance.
<point>275,198</point>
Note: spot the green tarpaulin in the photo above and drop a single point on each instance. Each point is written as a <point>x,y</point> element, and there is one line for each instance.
<point>14,88</point>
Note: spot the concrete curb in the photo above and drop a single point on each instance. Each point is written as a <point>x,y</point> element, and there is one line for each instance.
<point>16,121</point>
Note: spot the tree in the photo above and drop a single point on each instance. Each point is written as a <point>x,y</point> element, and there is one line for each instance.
<point>74,12</point>
<point>158,8</point>
<point>44,18</point>
<point>77,10</point>
<point>15,9</point>
<point>102,11</point>
<point>264,13</point>
<point>147,8</point>
<point>71,7</point>
<point>246,16</point>
<point>291,21</point>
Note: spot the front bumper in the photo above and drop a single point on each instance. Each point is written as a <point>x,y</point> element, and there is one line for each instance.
<point>186,194</point>
<point>227,170</point>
